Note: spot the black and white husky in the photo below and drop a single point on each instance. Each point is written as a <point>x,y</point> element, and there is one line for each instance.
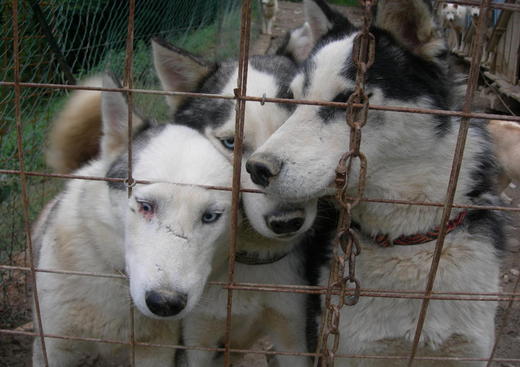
<point>165,236</point>
<point>409,158</point>
<point>275,242</point>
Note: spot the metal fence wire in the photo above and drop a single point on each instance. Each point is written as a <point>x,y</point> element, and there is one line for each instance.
<point>344,288</point>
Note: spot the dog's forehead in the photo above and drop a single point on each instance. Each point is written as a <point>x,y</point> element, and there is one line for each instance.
<point>180,154</point>
<point>328,71</point>
<point>264,77</point>
<point>184,198</point>
<point>269,75</point>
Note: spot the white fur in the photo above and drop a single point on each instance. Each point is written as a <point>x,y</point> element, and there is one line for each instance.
<point>176,243</point>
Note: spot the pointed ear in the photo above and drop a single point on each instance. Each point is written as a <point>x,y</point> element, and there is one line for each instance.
<point>301,42</point>
<point>178,70</point>
<point>298,43</point>
<point>316,17</point>
<point>322,18</point>
<point>114,112</point>
<point>412,23</point>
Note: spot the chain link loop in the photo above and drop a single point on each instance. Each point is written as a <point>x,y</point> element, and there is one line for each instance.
<point>346,243</point>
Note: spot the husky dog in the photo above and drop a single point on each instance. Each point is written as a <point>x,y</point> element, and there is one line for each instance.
<point>269,10</point>
<point>409,158</point>
<point>164,236</point>
<point>281,243</point>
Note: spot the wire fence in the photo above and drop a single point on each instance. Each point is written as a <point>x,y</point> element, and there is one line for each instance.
<point>343,282</point>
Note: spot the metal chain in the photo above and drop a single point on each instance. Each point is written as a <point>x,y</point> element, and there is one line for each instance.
<point>347,248</point>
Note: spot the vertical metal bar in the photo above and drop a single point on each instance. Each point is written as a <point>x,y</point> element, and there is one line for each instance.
<point>476,55</point>
<point>23,177</point>
<point>128,84</point>
<point>240,91</point>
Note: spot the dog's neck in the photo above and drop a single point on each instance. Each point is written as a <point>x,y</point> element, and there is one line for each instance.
<point>250,242</point>
<point>420,173</point>
<point>408,181</point>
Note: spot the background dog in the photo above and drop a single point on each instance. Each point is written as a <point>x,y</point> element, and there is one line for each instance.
<point>269,10</point>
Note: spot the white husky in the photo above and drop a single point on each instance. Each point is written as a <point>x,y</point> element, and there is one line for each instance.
<point>409,158</point>
<point>164,236</point>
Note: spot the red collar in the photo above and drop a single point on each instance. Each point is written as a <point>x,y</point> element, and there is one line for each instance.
<point>419,238</point>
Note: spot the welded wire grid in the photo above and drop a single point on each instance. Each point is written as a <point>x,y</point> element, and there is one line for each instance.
<point>18,86</point>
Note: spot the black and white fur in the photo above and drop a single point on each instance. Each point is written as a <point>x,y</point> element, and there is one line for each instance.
<point>282,316</point>
<point>409,158</point>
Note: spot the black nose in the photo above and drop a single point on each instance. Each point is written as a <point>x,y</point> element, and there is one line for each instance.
<point>165,303</point>
<point>262,167</point>
<point>285,226</point>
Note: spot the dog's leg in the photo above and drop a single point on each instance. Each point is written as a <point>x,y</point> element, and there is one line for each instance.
<point>154,357</point>
<point>264,25</point>
<point>287,332</point>
<point>202,331</point>
<point>60,353</point>
<point>270,26</point>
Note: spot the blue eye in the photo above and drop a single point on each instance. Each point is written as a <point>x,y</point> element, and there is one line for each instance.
<point>228,143</point>
<point>210,217</point>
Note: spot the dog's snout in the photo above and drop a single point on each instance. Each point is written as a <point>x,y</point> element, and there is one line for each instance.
<point>165,302</point>
<point>285,223</point>
<point>262,168</point>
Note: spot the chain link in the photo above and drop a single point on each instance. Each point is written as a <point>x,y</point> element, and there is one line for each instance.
<point>346,243</point>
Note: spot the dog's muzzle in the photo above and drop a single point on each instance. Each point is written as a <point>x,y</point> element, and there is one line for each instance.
<point>263,168</point>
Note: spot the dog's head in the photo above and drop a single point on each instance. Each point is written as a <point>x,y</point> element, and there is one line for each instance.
<point>174,232</point>
<point>268,76</point>
<point>298,161</point>
<point>448,12</point>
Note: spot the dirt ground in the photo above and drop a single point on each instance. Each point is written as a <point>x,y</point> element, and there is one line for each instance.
<point>15,312</point>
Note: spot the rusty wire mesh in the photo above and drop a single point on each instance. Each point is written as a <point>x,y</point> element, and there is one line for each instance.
<point>338,285</point>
